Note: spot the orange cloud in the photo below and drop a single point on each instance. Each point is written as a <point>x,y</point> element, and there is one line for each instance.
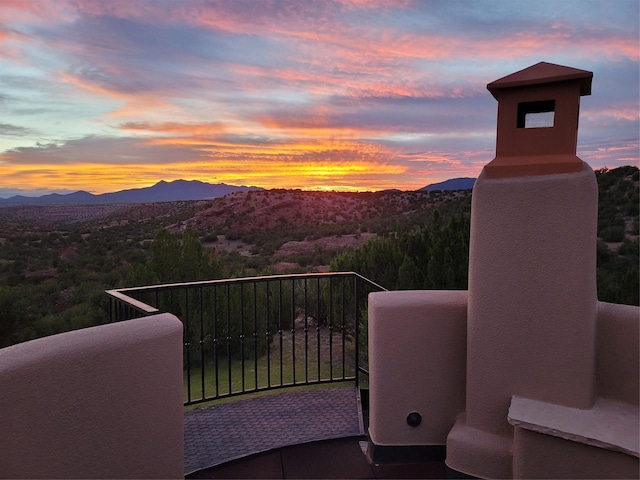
<point>293,163</point>
<point>272,174</point>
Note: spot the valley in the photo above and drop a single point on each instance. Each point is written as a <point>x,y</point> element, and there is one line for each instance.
<point>57,260</point>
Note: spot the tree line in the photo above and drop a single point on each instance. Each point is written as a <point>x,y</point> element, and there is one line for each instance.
<point>436,255</point>
<point>432,257</point>
<point>54,281</point>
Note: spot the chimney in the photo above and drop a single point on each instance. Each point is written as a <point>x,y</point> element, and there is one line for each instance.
<point>532,266</point>
<point>538,111</point>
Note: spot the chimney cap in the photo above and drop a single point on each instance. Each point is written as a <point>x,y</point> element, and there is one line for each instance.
<point>541,73</point>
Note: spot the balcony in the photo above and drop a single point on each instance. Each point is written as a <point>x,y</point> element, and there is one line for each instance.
<point>242,337</point>
<point>294,407</point>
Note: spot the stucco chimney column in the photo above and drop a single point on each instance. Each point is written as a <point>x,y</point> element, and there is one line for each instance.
<point>532,267</point>
<point>532,294</point>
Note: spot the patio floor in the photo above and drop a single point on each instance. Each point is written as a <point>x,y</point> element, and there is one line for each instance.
<point>229,431</point>
<point>340,458</point>
<point>315,433</point>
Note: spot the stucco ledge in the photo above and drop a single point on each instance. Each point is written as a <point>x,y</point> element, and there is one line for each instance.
<point>609,424</point>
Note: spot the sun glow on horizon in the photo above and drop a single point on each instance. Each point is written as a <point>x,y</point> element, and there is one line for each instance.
<point>97,179</point>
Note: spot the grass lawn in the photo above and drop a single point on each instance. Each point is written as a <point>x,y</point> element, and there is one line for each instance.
<point>326,359</point>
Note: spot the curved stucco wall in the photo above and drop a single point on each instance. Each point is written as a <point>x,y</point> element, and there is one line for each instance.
<point>102,402</point>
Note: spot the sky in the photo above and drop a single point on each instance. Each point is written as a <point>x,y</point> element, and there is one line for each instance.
<point>354,95</point>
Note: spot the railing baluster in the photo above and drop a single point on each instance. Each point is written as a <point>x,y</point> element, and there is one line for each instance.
<point>343,330</point>
<point>215,339</point>
<point>330,327</point>
<point>202,356</point>
<point>187,344</point>
<point>356,317</point>
<point>280,329</point>
<point>255,335</point>
<point>268,338</point>
<point>306,335</point>
<point>318,322</point>
<point>242,332</point>
<point>229,337</point>
<point>293,329</point>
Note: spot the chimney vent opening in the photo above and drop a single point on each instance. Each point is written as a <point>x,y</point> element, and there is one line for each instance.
<point>539,114</point>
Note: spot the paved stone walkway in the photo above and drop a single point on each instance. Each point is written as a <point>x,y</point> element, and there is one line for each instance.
<point>218,434</point>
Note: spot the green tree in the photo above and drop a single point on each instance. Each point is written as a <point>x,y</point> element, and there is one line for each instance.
<point>176,258</point>
<point>408,273</point>
<point>435,256</point>
<point>165,255</point>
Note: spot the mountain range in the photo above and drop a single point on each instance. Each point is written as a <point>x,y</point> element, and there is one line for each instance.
<point>175,191</point>
<point>160,192</point>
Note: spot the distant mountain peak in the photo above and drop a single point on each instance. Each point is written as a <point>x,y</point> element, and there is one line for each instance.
<point>462,183</point>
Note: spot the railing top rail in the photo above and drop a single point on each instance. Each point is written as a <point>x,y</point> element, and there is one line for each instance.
<point>366,280</point>
<point>123,297</point>
<point>143,307</point>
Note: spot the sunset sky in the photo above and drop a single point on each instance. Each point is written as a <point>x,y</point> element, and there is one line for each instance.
<point>105,95</point>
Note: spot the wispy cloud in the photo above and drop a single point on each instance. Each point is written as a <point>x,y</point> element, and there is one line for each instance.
<point>7,130</point>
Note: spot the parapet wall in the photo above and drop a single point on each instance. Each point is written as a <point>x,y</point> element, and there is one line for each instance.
<point>102,402</point>
<point>417,363</point>
<point>618,364</point>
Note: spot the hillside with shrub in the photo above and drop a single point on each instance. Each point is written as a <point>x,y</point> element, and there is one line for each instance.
<point>436,255</point>
<point>56,261</point>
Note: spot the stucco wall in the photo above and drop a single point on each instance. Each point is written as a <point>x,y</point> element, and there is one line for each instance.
<point>618,371</point>
<point>531,322</point>
<point>102,402</point>
<point>532,294</point>
<point>417,361</point>
<point>546,456</point>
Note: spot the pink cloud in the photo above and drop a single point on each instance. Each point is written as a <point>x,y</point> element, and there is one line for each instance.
<point>618,111</point>
<point>26,11</point>
<point>207,128</point>
<point>13,45</point>
<point>320,30</point>
<point>611,153</point>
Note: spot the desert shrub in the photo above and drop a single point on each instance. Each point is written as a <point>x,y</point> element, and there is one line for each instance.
<point>613,233</point>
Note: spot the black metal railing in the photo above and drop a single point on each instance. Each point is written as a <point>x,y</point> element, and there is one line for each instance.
<point>250,334</point>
